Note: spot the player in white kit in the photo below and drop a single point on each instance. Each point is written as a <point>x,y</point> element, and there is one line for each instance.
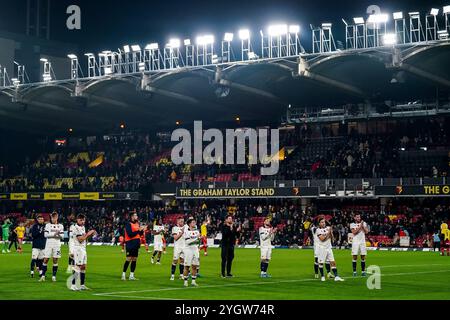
<point>158,232</point>
<point>178,247</point>
<point>54,232</point>
<point>266,236</point>
<point>71,243</point>
<point>191,251</point>
<point>324,249</point>
<point>359,230</point>
<point>316,261</point>
<point>79,252</point>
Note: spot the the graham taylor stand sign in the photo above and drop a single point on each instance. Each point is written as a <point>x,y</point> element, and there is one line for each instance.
<point>266,192</point>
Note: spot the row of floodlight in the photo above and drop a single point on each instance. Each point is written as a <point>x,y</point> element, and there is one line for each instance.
<point>243,34</point>
<point>383,17</point>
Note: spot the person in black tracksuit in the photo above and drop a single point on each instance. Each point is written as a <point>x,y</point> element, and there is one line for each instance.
<point>39,240</point>
<point>229,235</point>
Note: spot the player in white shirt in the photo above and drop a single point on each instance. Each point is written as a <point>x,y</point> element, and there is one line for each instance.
<point>266,236</point>
<point>359,230</point>
<point>71,242</point>
<point>54,232</point>
<point>158,232</point>
<point>191,251</point>
<point>324,249</point>
<point>79,252</point>
<point>178,247</point>
<point>316,261</point>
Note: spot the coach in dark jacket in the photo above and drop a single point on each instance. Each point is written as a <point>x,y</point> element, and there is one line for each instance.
<point>229,235</point>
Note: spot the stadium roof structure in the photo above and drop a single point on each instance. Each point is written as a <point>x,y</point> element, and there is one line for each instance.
<point>253,88</point>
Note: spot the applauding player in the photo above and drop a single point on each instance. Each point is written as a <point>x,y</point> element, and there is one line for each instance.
<point>191,252</point>
<point>38,246</point>
<point>359,229</point>
<point>266,236</point>
<point>324,249</point>
<point>158,233</point>
<point>54,232</point>
<point>178,248</point>
<point>79,252</point>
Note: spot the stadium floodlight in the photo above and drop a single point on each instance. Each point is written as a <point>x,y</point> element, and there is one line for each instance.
<point>126,48</point>
<point>136,47</point>
<point>174,43</point>
<point>142,66</point>
<point>294,28</point>
<point>358,20</point>
<point>151,46</point>
<point>89,54</point>
<point>43,60</point>
<point>71,56</point>
<point>446,9</point>
<point>244,34</point>
<point>228,37</point>
<point>326,25</point>
<point>205,40</point>
<point>200,40</point>
<point>398,15</point>
<point>434,12</point>
<point>378,18</point>
<point>390,39</point>
<point>209,39</point>
<point>277,30</point>
<point>187,42</point>
<point>414,14</point>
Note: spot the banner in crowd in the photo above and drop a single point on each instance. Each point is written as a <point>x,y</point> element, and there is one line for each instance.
<point>261,192</point>
<point>416,190</point>
<point>70,196</point>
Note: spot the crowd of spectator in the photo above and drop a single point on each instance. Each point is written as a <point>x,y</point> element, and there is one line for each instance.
<point>134,161</point>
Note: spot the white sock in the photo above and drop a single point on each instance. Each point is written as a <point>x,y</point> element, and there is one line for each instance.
<point>124,274</point>
<point>131,274</point>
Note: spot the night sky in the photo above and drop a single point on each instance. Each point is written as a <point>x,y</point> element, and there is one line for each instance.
<point>110,24</point>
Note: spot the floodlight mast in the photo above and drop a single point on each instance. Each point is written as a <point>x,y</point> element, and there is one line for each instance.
<point>73,66</point>
<point>293,40</point>
<point>400,26</point>
<point>446,11</point>
<point>151,57</point>
<point>47,70</point>
<point>244,35</point>
<point>226,46</point>
<point>431,25</point>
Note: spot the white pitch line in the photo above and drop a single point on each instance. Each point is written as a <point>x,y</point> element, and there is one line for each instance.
<point>139,297</point>
<point>257,283</point>
<point>414,265</point>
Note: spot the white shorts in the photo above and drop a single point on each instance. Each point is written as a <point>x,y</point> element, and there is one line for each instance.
<point>191,257</point>
<point>71,248</point>
<point>80,256</point>
<point>52,251</point>
<point>178,253</point>
<point>37,254</point>
<point>324,255</point>
<point>158,246</point>
<point>266,253</point>
<point>359,248</point>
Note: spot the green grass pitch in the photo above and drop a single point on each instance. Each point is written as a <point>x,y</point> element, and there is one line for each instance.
<point>404,275</point>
